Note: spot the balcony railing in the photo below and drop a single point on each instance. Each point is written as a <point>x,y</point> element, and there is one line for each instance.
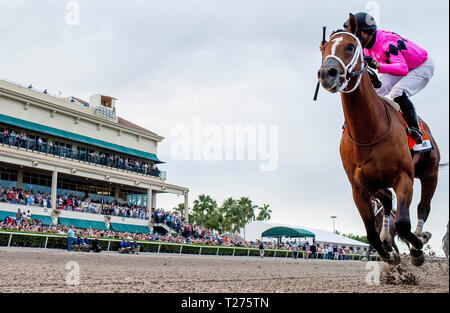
<point>30,87</point>
<point>81,156</point>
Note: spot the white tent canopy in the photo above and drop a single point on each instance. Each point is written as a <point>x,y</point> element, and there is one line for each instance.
<point>254,230</point>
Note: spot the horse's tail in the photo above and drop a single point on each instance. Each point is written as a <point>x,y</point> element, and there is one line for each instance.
<point>443,165</point>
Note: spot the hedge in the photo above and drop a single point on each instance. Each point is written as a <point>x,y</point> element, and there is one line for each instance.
<point>20,239</point>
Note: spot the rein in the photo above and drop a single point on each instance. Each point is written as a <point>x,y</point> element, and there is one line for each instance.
<point>379,139</point>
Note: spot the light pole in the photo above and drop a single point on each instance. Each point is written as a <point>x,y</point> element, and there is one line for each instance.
<point>334,218</point>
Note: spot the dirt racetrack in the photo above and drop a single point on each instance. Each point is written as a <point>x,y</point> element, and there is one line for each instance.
<point>44,270</point>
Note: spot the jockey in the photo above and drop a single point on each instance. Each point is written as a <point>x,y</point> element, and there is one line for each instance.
<point>406,67</point>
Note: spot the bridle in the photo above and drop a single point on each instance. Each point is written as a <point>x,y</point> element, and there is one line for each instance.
<point>348,69</point>
<point>358,56</point>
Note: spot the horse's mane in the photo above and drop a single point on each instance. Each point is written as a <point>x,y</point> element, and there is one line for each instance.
<point>338,31</point>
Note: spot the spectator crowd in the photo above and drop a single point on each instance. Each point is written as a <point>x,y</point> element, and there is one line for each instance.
<point>178,224</point>
<point>23,222</point>
<point>42,144</point>
<point>181,231</point>
<point>73,203</point>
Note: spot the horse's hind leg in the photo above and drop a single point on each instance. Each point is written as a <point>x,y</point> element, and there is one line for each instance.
<point>403,189</point>
<point>394,245</point>
<point>423,209</point>
<point>426,168</point>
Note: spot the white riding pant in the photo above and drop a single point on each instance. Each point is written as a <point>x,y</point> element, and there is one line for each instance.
<point>412,83</point>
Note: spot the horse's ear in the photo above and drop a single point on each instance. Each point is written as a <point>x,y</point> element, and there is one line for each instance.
<point>352,24</point>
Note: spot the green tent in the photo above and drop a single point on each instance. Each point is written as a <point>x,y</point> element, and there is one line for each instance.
<point>281,231</point>
<point>77,223</point>
<point>130,228</point>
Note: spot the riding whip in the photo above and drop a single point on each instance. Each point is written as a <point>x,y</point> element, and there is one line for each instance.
<point>324,29</point>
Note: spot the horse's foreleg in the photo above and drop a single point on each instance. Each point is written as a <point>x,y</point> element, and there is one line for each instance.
<point>362,201</point>
<point>385,196</point>
<point>404,190</point>
<point>383,217</point>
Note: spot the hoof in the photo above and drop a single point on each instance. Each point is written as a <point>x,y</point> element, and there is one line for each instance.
<point>426,236</point>
<point>417,257</point>
<point>386,246</point>
<point>394,259</point>
<point>423,236</point>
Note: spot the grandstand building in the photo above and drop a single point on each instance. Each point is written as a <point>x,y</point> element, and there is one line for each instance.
<point>63,146</point>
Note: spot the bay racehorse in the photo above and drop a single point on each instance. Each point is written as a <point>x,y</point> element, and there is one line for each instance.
<point>374,149</point>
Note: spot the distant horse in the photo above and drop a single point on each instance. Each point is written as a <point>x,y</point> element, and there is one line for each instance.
<point>374,149</point>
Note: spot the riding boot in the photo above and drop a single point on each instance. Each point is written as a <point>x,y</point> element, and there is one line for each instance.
<point>410,116</point>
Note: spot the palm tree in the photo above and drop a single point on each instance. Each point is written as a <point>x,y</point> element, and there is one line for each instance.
<point>223,224</point>
<point>247,208</point>
<point>233,215</point>
<point>264,213</point>
<point>179,209</point>
<point>248,211</point>
<point>204,208</point>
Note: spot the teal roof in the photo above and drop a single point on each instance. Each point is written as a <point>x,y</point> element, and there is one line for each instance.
<point>76,137</point>
<point>77,223</point>
<point>45,219</point>
<point>4,214</point>
<point>287,232</point>
<point>130,228</point>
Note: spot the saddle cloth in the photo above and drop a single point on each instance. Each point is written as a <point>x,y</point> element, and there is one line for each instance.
<point>426,144</point>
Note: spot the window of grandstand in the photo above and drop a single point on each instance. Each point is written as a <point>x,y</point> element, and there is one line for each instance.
<point>8,177</point>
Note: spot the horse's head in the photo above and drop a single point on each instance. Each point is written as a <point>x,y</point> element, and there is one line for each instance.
<point>342,59</point>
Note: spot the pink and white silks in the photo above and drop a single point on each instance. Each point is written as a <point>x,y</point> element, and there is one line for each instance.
<point>405,66</point>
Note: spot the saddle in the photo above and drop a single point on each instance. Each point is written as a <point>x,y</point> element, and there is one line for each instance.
<point>426,144</point>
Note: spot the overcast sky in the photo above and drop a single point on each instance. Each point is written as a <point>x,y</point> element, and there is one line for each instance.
<point>228,63</point>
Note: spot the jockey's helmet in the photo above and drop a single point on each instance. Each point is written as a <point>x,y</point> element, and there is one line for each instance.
<point>366,23</point>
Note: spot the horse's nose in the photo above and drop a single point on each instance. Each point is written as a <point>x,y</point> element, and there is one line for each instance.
<point>332,72</point>
<point>328,76</point>
<point>327,73</point>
